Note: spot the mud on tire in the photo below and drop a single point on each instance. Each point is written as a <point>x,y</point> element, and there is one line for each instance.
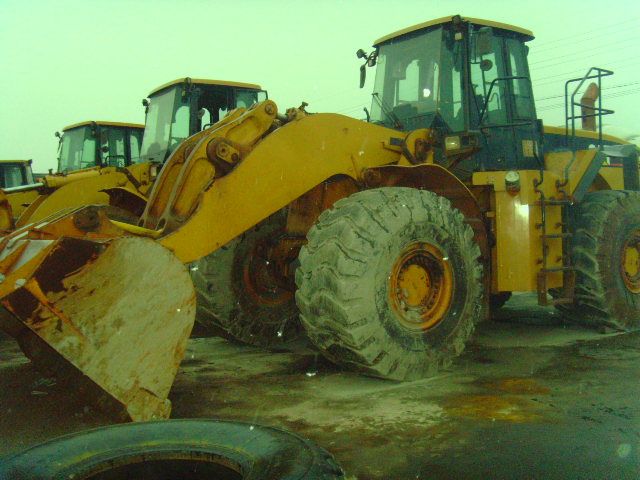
<point>234,303</point>
<point>344,282</point>
<point>605,222</point>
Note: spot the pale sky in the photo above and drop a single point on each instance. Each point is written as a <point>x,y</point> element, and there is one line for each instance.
<point>67,61</point>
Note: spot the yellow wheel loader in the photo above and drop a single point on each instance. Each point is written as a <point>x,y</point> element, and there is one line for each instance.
<point>390,235</point>
<point>84,149</point>
<point>14,174</point>
<point>111,163</point>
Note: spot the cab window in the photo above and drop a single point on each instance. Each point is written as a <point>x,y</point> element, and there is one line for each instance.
<point>523,100</point>
<point>485,68</point>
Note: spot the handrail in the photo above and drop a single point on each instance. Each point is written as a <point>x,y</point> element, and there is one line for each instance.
<point>493,83</point>
<point>601,72</point>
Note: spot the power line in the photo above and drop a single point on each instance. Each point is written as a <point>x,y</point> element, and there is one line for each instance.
<point>578,59</point>
<point>599,32</point>
<point>608,88</point>
<point>599,49</point>
<point>576,72</point>
<point>557,106</point>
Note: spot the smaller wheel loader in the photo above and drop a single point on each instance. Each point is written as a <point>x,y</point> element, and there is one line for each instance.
<point>390,235</point>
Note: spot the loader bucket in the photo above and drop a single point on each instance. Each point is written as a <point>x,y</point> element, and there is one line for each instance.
<point>111,317</point>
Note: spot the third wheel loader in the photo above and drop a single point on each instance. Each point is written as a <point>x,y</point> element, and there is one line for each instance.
<point>384,238</point>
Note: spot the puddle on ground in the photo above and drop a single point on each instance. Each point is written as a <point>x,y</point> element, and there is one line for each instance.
<point>493,407</point>
<point>518,386</point>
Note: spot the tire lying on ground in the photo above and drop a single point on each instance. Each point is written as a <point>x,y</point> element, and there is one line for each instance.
<point>236,292</point>
<point>390,283</point>
<point>185,449</point>
<point>605,250</point>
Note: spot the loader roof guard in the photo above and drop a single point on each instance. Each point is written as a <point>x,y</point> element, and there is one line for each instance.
<point>439,21</point>
<point>102,124</point>
<point>21,162</point>
<point>91,144</point>
<point>204,81</point>
<point>15,173</point>
<point>183,107</point>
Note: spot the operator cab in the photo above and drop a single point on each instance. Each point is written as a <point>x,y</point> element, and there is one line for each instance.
<point>181,108</point>
<point>98,144</point>
<point>15,173</point>
<point>468,80</point>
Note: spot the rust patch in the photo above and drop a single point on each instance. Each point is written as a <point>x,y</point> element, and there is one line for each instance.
<point>520,386</point>
<point>493,407</point>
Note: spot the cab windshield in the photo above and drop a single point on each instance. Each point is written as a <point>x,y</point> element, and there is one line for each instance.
<point>77,150</point>
<point>419,77</point>
<point>12,175</point>
<point>167,124</point>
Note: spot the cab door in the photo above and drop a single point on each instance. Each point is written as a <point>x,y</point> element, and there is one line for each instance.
<point>526,130</point>
<point>501,105</point>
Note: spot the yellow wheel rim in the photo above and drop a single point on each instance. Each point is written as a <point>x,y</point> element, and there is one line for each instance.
<point>421,286</point>
<point>630,262</point>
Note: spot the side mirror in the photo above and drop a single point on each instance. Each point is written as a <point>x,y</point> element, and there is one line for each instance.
<point>57,134</point>
<point>145,102</point>
<point>369,61</point>
<point>486,65</point>
<point>484,39</point>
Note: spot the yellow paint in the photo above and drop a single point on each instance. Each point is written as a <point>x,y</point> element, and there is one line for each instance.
<point>415,284</point>
<point>517,254</point>
<point>557,162</point>
<point>439,21</point>
<point>584,134</point>
<point>60,180</point>
<point>276,173</point>
<point>102,123</point>
<point>613,176</point>
<point>139,231</point>
<point>20,201</point>
<point>88,189</point>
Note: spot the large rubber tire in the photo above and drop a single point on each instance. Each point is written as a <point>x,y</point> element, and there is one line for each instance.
<point>186,449</point>
<point>344,282</point>
<point>604,221</point>
<point>225,301</point>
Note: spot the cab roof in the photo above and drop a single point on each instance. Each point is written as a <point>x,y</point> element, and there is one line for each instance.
<point>204,81</point>
<point>528,34</point>
<point>103,124</point>
<point>23,162</point>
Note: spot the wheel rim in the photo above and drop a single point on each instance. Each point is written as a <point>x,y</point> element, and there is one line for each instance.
<point>259,279</point>
<point>421,286</point>
<point>630,262</point>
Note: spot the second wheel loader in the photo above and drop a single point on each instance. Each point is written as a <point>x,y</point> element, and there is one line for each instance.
<point>389,235</point>
<point>114,163</point>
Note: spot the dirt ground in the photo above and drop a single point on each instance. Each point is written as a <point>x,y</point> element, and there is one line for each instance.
<point>529,398</point>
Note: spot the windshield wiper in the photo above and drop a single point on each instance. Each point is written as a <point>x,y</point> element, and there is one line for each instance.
<point>389,113</point>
